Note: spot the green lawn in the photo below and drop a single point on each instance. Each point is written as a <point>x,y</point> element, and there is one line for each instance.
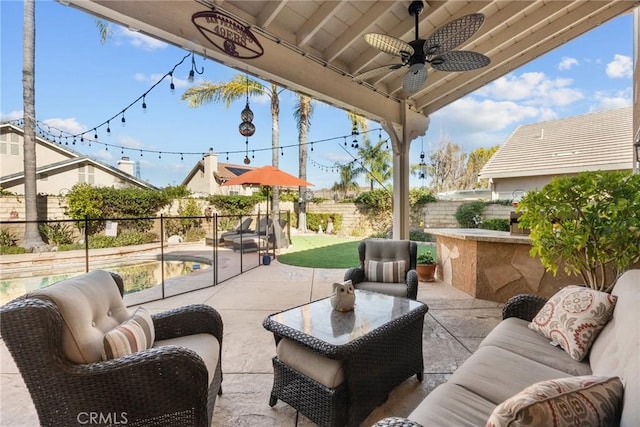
<point>321,251</point>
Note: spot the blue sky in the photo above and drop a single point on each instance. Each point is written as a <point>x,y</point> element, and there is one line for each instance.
<point>80,83</point>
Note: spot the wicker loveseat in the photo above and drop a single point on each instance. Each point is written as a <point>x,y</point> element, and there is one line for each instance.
<point>55,336</point>
<point>513,357</point>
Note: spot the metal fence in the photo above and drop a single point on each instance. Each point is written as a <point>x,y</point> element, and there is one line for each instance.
<point>157,257</point>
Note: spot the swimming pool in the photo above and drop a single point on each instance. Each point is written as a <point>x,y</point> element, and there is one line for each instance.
<point>136,277</point>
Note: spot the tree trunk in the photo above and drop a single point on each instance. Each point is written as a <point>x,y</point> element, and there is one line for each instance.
<point>32,239</point>
<point>305,109</point>
<point>275,137</point>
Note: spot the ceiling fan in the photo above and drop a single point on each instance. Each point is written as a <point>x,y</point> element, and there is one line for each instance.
<point>436,50</point>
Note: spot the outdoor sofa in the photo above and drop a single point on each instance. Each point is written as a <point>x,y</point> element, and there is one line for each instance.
<point>514,357</point>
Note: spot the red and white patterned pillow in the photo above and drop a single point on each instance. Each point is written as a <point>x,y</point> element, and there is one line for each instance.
<point>385,271</point>
<point>135,334</point>
<point>574,317</point>
<point>563,402</point>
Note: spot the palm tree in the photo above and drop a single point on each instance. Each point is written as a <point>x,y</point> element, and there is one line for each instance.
<point>347,180</point>
<point>375,159</point>
<point>32,239</point>
<point>302,114</point>
<point>234,90</point>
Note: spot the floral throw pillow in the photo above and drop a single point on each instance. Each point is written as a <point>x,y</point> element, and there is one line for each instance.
<point>563,402</point>
<point>385,271</point>
<point>573,318</point>
<point>135,334</point>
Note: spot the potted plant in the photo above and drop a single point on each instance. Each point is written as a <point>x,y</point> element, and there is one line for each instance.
<point>426,267</point>
<point>588,223</point>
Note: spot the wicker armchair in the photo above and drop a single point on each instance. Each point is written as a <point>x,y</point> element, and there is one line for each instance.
<point>167,385</point>
<point>386,251</point>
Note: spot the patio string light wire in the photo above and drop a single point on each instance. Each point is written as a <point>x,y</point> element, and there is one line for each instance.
<point>56,135</point>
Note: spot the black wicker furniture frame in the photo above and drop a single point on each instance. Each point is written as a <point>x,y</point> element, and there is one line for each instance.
<point>379,344</point>
<point>164,386</point>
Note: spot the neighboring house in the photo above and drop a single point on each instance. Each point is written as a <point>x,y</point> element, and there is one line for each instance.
<point>207,176</point>
<point>58,168</point>
<point>536,153</point>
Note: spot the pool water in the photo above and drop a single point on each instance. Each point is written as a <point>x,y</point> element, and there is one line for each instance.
<point>142,275</point>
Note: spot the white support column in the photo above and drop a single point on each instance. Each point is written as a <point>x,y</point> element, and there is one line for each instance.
<point>412,126</point>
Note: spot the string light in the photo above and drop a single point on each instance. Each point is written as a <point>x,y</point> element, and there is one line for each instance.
<point>123,121</point>
<point>144,104</point>
<point>57,138</point>
<point>194,69</point>
<point>108,129</point>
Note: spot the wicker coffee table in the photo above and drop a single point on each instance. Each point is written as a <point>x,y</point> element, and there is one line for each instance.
<point>379,344</point>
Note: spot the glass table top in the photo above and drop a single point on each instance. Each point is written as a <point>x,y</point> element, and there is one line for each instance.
<point>372,310</point>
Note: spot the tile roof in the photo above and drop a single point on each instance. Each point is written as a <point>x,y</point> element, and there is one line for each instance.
<point>601,140</point>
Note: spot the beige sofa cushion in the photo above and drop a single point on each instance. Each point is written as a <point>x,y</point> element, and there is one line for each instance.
<point>205,345</point>
<point>328,372</point>
<point>616,351</point>
<point>452,405</point>
<point>513,334</point>
<point>386,250</point>
<point>91,306</point>
<point>497,374</point>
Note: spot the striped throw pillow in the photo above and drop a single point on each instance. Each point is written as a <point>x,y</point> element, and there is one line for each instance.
<point>385,271</point>
<point>136,334</point>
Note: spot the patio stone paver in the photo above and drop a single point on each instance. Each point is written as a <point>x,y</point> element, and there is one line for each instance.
<point>454,326</point>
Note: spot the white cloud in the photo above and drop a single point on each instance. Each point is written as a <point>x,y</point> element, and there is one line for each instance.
<point>567,62</point>
<point>534,89</point>
<point>139,40</point>
<point>11,115</point>
<point>608,100</point>
<point>69,125</point>
<point>620,67</point>
<point>129,142</point>
<point>471,115</point>
<point>103,155</point>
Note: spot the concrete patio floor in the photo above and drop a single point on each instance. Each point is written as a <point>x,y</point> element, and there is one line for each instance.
<point>453,328</point>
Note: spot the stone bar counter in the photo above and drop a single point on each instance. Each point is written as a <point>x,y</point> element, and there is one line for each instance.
<point>493,265</point>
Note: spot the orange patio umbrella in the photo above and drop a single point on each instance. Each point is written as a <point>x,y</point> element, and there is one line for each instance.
<point>269,176</point>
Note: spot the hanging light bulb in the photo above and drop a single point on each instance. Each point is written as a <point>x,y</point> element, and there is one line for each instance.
<point>181,156</point>
<point>171,85</point>
<point>108,128</point>
<point>144,104</point>
<point>194,69</point>
<point>123,120</point>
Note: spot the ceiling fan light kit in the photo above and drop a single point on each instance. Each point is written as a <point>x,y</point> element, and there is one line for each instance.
<point>436,50</point>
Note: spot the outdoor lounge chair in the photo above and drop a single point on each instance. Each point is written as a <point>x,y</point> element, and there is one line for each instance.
<point>261,230</point>
<point>386,266</point>
<point>243,227</point>
<point>56,337</point>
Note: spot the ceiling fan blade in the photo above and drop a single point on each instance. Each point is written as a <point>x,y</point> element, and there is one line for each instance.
<point>460,60</point>
<point>453,34</point>
<point>388,44</point>
<point>376,71</point>
<point>414,78</point>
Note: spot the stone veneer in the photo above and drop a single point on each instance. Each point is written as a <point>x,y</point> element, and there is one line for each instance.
<point>493,265</point>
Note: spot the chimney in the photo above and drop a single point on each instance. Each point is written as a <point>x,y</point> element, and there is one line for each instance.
<point>126,165</point>
<point>210,167</point>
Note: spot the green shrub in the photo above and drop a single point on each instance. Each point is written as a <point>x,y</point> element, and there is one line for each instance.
<point>588,223</point>
<point>124,239</point>
<point>70,247</point>
<point>378,200</point>
<point>469,215</point>
<point>57,233</point>
<point>499,224</point>
<point>12,250</point>
<point>418,235</point>
<point>379,235</point>
<point>314,219</point>
<point>419,197</point>
<point>425,258</point>
<point>7,238</point>
<point>194,235</point>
